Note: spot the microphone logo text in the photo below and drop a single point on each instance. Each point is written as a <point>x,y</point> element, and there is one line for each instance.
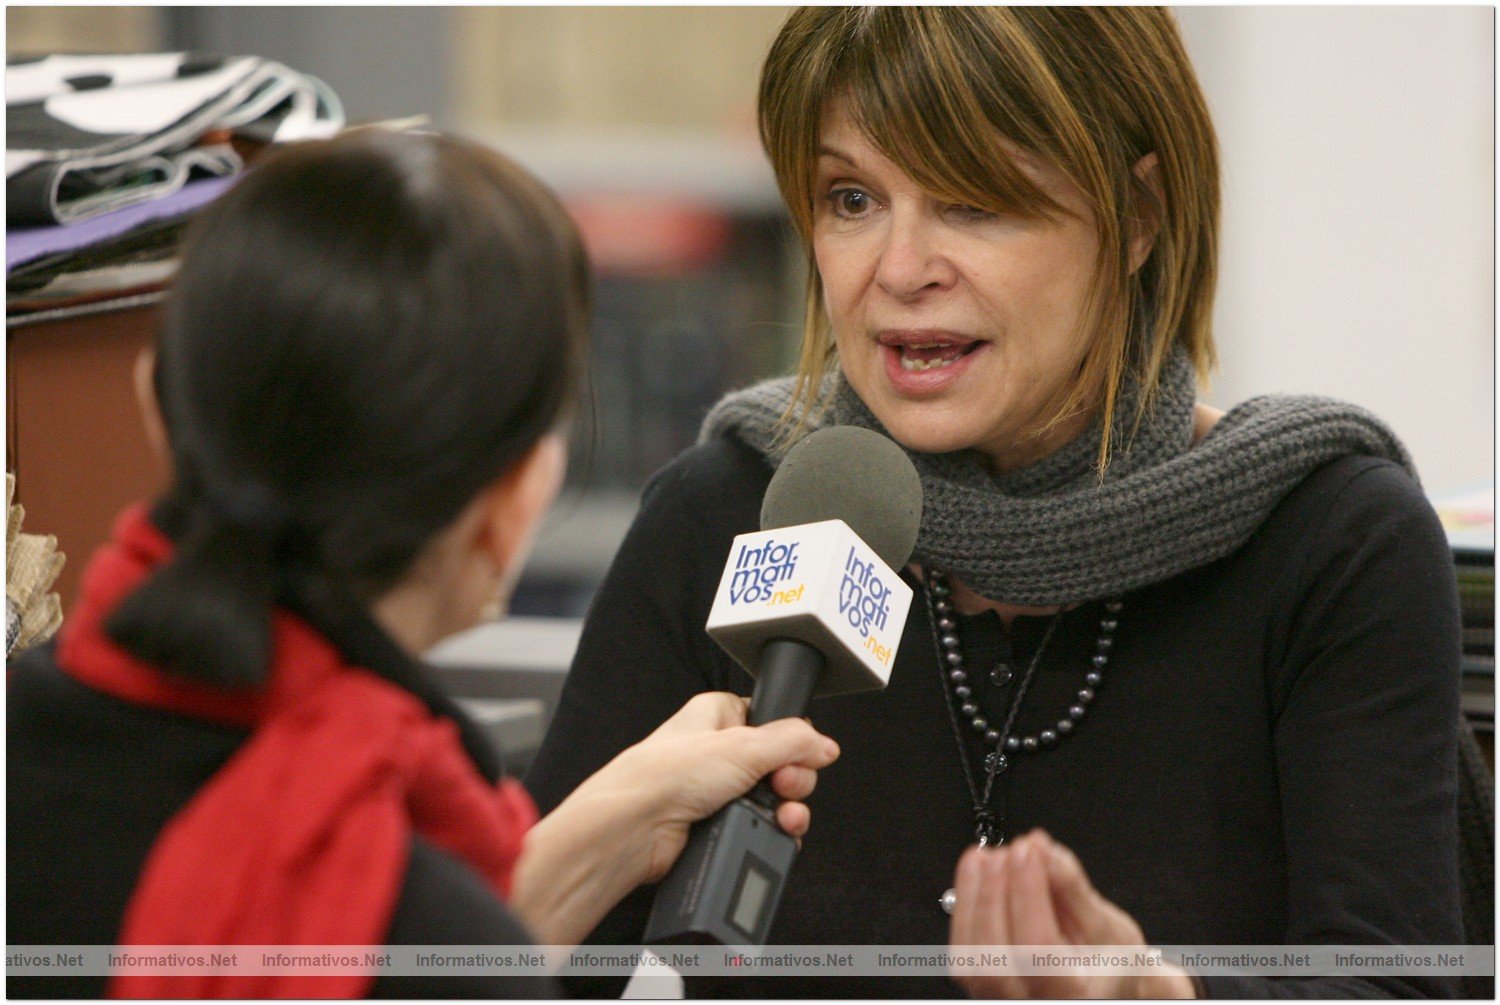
<point>863,598</point>
<point>757,571</point>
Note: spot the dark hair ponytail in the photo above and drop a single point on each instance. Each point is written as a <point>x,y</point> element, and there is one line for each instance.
<point>364,333</point>
<point>205,615</point>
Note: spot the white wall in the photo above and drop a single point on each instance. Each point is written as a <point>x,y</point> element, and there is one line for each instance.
<point>1358,250</point>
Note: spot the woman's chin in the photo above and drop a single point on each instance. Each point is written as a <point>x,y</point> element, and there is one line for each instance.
<point>925,437</point>
<point>938,425</point>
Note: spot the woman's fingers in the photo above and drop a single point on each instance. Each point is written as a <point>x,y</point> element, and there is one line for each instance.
<point>1072,890</point>
<point>1033,915</point>
<point>965,929</point>
<point>981,916</point>
<point>1087,915</point>
<point>1033,920</point>
<point>991,897</point>
<point>1034,892</point>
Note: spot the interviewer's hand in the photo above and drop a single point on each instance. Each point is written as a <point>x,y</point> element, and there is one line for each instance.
<point>704,756</point>
<point>628,822</point>
<point>1034,892</point>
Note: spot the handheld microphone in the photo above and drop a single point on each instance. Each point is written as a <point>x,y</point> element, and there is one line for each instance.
<point>811,605</point>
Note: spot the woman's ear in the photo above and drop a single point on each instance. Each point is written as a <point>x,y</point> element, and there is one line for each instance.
<point>150,406</point>
<point>1146,212</point>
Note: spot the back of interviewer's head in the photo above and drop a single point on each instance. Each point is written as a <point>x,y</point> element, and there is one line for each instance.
<point>364,334</point>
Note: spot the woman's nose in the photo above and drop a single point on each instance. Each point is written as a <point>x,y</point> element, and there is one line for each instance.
<point>913,257</point>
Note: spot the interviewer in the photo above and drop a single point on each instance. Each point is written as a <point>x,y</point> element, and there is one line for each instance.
<point>368,349</point>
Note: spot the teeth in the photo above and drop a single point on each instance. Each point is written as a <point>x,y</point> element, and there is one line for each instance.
<point>910,363</point>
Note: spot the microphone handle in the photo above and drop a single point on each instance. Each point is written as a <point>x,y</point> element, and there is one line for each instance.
<point>727,883</point>
<point>789,670</point>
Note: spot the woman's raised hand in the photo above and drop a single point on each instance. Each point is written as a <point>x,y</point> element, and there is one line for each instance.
<point>1034,892</point>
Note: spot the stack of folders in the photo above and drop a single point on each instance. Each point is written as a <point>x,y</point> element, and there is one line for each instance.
<point>108,156</point>
<point>1469,518</point>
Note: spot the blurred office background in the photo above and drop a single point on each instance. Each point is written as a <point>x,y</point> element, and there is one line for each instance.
<point>1358,255</point>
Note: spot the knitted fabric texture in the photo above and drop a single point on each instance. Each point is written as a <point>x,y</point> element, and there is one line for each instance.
<point>1053,532</point>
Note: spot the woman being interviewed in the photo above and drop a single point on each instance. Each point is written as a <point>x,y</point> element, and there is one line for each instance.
<point>1184,677</point>
<point>369,347</point>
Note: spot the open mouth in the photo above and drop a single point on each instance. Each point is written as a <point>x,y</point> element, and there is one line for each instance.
<point>916,357</point>
<point>918,351</point>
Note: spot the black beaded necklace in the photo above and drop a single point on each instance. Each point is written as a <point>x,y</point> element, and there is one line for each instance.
<point>1003,743</point>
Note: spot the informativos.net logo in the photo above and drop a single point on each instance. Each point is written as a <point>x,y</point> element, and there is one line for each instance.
<point>759,570</point>
<point>864,598</point>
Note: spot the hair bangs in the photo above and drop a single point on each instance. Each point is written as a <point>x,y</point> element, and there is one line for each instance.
<point>935,111</point>
<point>962,99</point>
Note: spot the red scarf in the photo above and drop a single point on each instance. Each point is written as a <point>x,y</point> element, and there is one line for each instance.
<point>302,837</point>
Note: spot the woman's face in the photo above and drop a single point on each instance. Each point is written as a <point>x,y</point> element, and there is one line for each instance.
<point>955,326</point>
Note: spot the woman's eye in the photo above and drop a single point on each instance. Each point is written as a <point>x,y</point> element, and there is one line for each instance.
<point>973,213</point>
<point>850,203</point>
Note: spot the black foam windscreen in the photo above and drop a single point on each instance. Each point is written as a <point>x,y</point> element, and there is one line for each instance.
<point>851,474</point>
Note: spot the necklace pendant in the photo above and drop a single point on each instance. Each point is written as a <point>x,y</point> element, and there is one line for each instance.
<point>1000,676</point>
<point>996,762</point>
<point>985,831</point>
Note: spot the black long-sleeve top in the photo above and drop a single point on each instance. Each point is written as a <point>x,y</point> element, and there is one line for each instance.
<point>1270,759</point>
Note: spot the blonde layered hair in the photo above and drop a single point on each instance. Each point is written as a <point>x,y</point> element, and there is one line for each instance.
<point>1089,91</point>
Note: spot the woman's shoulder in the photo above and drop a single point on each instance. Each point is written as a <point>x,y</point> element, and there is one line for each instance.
<point>1356,512</point>
<point>710,468</point>
<point>718,482</point>
<point>689,513</point>
<point>1312,458</point>
<point>1354,490</point>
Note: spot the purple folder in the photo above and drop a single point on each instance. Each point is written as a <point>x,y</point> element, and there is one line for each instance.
<point>30,243</point>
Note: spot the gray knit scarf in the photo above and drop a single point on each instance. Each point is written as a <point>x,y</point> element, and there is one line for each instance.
<point>1052,533</point>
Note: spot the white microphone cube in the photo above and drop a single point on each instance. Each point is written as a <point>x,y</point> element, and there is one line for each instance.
<point>820,584</point>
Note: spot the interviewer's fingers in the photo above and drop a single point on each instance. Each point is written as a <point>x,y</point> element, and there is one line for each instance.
<point>794,818</point>
<point>710,710</point>
<point>794,782</point>
<point>763,749</point>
